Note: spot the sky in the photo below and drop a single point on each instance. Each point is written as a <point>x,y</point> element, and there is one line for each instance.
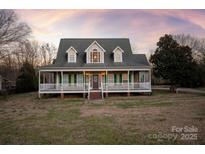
<point>142,27</point>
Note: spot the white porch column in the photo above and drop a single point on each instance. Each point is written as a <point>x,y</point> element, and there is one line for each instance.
<point>128,79</point>
<point>84,84</point>
<point>128,82</point>
<point>84,81</point>
<point>62,94</point>
<point>57,80</point>
<point>150,79</point>
<point>61,80</point>
<point>106,83</point>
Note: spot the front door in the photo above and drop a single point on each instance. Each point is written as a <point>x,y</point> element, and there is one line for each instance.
<point>95,82</point>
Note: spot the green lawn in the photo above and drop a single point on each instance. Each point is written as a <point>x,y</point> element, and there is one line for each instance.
<point>25,119</point>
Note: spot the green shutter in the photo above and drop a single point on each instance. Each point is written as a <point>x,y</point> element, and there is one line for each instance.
<point>120,78</point>
<point>130,77</point>
<point>115,78</point>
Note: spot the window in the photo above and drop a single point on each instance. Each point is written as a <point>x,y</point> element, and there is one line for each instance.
<point>95,56</point>
<point>79,78</point>
<point>118,78</point>
<point>144,76</point>
<point>118,54</point>
<point>72,58</point>
<point>71,55</point>
<point>110,78</point>
<point>95,53</point>
<point>65,78</point>
<point>125,78</point>
<point>72,78</point>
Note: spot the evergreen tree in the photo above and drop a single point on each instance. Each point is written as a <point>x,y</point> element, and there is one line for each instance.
<point>27,80</point>
<point>175,63</point>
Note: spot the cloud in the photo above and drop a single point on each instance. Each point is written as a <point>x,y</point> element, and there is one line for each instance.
<point>143,27</point>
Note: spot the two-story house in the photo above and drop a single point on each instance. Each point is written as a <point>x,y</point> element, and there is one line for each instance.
<point>93,66</point>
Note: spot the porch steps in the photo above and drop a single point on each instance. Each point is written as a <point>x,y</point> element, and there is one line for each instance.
<point>95,95</point>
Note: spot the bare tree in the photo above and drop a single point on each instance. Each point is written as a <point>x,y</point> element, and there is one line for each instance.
<point>16,48</point>
<point>31,51</point>
<point>11,30</point>
<point>34,52</point>
<point>47,53</point>
<point>196,44</point>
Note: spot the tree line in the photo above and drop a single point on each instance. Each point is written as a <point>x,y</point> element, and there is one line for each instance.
<point>19,50</point>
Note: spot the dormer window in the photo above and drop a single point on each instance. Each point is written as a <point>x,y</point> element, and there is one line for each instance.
<point>95,53</point>
<point>72,55</point>
<point>118,54</point>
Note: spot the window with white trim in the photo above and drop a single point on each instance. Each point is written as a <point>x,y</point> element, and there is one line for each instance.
<point>95,56</point>
<point>71,56</point>
<point>118,54</point>
<point>110,78</point>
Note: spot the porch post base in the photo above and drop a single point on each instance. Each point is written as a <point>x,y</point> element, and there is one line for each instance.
<point>106,94</point>
<point>62,95</point>
<point>83,95</point>
<point>128,94</point>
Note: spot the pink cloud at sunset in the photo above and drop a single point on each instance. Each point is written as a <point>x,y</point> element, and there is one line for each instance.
<point>143,27</point>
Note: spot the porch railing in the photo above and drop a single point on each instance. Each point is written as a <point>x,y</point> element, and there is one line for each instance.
<point>104,86</point>
<point>64,87</point>
<point>126,86</point>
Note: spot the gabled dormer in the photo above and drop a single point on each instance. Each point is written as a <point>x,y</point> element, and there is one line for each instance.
<point>95,53</point>
<point>118,54</point>
<point>72,55</point>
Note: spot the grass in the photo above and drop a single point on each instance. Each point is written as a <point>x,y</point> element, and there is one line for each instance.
<point>24,119</point>
<point>142,103</point>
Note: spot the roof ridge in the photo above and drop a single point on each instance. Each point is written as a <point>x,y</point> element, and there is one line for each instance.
<point>85,38</point>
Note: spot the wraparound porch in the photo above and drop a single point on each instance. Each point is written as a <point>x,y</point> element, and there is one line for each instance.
<point>104,81</point>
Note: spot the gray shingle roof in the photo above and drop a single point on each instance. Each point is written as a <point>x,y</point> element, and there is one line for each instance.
<point>130,60</point>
